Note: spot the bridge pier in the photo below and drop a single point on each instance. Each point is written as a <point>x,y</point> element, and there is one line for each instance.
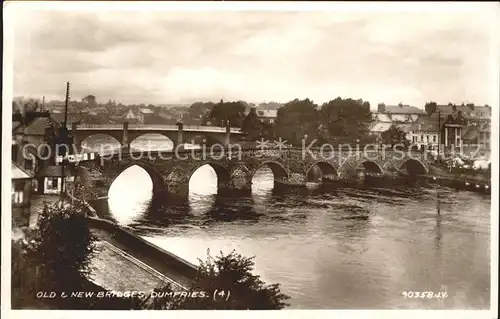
<point>294,180</point>
<point>227,137</point>
<point>239,186</point>
<point>125,146</point>
<point>180,133</point>
<point>176,194</point>
<point>76,143</point>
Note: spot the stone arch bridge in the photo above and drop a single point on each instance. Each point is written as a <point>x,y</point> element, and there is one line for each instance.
<point>170,172</point>
<point>126,133</point>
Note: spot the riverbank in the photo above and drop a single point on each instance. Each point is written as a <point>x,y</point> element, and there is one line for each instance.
<point>151,258</point>
<point>175,270</point>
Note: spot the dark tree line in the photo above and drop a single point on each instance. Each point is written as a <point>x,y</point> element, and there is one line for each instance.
<point>337,121</point>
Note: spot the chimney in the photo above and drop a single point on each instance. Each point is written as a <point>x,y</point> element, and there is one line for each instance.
<point>381,108</point>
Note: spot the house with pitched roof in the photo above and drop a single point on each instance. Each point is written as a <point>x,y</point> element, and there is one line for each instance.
<point>473,114</point>
<point>21,181</point>
<point>34,147</point>
<point>425,132</point>
<point>267,116</point>
<point>399,113</point>
<point>403,116</point>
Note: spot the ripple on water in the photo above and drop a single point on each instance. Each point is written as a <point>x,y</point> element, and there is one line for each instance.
<point>340,248</point>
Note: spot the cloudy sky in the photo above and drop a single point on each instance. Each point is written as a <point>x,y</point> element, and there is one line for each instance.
<point>180,57</point>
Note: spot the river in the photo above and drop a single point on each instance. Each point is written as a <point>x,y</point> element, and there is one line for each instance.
<point>327,248</point>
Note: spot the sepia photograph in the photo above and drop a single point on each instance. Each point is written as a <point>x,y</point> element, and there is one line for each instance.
<point>250,156</point>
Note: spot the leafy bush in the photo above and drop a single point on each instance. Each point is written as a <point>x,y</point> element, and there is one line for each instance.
<point>229,278</point>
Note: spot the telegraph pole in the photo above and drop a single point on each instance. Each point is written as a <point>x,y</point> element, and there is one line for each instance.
<point>64,139</point>
<point>439,136</point>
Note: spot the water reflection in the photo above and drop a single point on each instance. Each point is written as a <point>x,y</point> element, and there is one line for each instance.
<point>129,195</point>
<point>328,247</point>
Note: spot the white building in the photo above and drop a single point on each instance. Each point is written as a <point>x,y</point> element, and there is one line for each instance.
<point>399,113</point>
<point>267,116</point>
<point>425,132</point>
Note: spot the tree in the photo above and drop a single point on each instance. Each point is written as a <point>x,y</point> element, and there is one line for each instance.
<point>431,107</point>
<point>110,107</point>
<point>62,248</point>
<point>394,135</point>
<point>196,113</point>
<point>223,113</point>
<point>252,125</point>
<point>24,106</point>
<point>296,119</point>
<point>227,274</point>
<point>346,119</point>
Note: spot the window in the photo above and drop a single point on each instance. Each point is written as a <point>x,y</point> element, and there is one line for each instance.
<point>52,183</point>
<point>421,138</point>
<point>17,194</point>
<point>434,138</point>
<point>28,164</point>
<point>17,197</point>
<point>14,153</point>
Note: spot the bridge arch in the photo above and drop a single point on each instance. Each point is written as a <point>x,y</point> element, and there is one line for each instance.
<point>159,141</point>
<point>327,170</point>
<point>201,139</point>
<point>371,167</point>
<point>414,167</point>
<point>279,172</point>
<point>222,173</point>
<point>100,142</point>
<point>154,174</point>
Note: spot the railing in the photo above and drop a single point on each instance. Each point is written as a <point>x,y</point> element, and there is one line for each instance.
<point>159,127</point>
<point>257,151</point>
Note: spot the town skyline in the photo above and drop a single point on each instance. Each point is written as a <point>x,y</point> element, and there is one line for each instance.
<point>389,57</point>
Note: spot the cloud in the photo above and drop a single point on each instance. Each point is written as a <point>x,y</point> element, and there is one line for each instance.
<point>161,57</point>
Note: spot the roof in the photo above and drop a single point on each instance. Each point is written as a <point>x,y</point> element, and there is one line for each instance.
<point>15,124</point>
<point>55,171</point>
<point>405,127</point>
<point>267,113</point>
<point>468,112</point>
<point>403,109</point>
<point>37,127</point>
<point>485,127</point>
<point>427,124</point>
<point>380,127</point>
<point>147,111</point>
<point>382,117</point>
<point>19,173</point>
<point>470,132</point>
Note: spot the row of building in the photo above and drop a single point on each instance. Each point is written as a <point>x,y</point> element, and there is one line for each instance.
<point>34,164</point>
<point>89,111</point>
<point>455,125</point>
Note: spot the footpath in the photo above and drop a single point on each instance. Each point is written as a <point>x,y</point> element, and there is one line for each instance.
<point>152,259</point>
<point>124,261</point>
